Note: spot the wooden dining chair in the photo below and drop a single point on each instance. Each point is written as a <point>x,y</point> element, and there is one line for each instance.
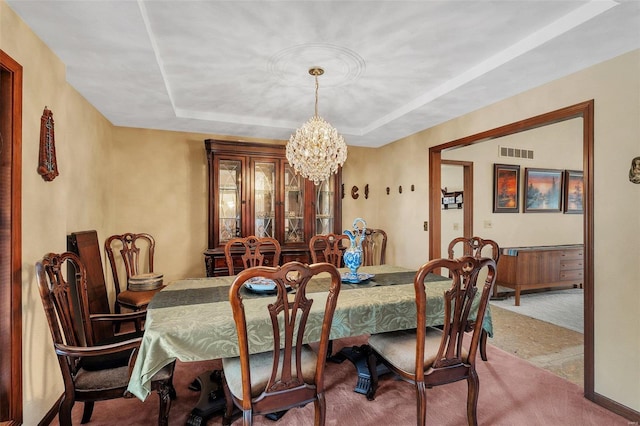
<point>374,247</point>
<point>328,248</point>
<point>242,253</point>
<point>292,374</point>
<point>136,252</point>
<point>429,356</point>
<point>91,371</point>
<point>478,248</point>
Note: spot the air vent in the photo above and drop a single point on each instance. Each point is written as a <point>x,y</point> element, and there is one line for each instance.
<point>515,152</point>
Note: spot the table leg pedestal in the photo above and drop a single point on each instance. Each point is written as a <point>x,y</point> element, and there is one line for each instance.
<point>211,399</point>
<point>358,356</point>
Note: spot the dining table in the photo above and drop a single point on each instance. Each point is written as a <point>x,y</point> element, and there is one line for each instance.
<point>191,319</point>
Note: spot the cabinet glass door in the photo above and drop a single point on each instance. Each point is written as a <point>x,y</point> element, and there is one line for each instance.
<point>229,206</point>
<point>264,198</point>
<point>293,206</point>
<point>325,210</point>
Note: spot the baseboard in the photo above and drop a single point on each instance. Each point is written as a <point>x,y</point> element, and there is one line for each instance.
<point>51,414</point>
<point>615,407</point>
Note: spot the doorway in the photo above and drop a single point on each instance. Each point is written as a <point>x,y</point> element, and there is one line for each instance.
<point>10,240</point>
<point>583,111</point>
<point>463,170</point>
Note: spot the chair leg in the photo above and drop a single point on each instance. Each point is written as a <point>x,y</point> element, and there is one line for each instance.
<point>330,350</point>
<point>483,344</point>
<point>247,418</point>
<point>164,391</point>
<point>421,395</point>
<point>64,410</point>
<point>473,389</point>
<point>87,412</point>
<point>116,310</point>
<point>321,409</point>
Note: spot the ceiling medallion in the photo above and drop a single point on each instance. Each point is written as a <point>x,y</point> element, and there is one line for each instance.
<point>316,150</point>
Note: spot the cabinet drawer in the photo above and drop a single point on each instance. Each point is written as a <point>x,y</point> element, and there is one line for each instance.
<point>295,257</point>
<point>219,262</point>
<point>568,264</point>
<point>572,254</point>
<point>571,275</point>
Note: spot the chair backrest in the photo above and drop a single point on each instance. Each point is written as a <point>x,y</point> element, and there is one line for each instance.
<point>474,246</point>
<point>64,300</point>
<point>136,252</point>
<point>328,248</point>
<point>458,301</point>
<point>251,250</point>
<point>85,244</point>
<point>288,314</point>
<point>374,247</point>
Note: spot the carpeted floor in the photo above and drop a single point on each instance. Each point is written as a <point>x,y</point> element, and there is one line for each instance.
<point>512,392</point>
<point>560,307</point>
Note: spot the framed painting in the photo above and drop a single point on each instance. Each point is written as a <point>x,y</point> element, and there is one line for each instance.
<point>543,190</point>
<point>573,191</point>
<point>506,188</point>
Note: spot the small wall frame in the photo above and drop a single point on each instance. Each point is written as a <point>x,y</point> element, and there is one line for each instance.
<point>506,188</point>
<point>573,191</point>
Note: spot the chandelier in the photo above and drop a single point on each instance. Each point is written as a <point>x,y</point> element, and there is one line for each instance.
<point>316,150</point>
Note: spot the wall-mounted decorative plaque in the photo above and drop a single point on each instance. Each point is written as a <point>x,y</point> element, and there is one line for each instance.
<point>47,163</point>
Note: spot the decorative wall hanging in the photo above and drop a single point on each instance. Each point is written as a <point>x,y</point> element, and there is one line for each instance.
<point>506,188</point>
<point>354,192</point>
<point>366,192</point>
<point>573,191</point>
<point>543,190</point>
<point>47,163</point>
<point>634,171</point>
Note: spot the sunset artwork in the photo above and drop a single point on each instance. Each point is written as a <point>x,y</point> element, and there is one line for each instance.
<point>543,190</point>
<point>506,188</point>
<point>574,191</point>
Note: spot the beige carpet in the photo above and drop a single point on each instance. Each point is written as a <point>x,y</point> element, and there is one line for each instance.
<point>564,308</point>
<point>512,392</point>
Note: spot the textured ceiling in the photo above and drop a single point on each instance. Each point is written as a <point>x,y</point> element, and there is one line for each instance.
<point>392,68</point>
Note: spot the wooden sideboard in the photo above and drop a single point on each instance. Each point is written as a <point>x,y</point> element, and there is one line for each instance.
<point>524,268</point>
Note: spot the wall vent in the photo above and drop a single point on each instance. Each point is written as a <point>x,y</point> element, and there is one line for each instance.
<point>515,152</point>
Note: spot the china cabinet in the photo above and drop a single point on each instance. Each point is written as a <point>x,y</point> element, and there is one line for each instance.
<point>253,190</point>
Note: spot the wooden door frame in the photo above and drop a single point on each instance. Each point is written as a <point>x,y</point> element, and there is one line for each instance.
<point>467,190</point>
<point>11,298</point>
<point>584,110</point>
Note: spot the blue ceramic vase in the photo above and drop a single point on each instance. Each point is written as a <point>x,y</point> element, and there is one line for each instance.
<point>353,254</point>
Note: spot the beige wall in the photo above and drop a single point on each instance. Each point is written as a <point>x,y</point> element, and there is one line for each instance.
<point>557,146</point>
<point>74,200</point>
<point>119,179</point>
<point>615,87</point>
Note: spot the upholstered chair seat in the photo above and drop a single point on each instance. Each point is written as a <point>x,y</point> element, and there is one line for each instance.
<point>260,370</point>
<point>399,347</point>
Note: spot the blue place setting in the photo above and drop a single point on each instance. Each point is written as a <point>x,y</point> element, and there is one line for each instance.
<point>348,277</point>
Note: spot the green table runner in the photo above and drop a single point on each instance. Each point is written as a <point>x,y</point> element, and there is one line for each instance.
<point>195,296</point>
